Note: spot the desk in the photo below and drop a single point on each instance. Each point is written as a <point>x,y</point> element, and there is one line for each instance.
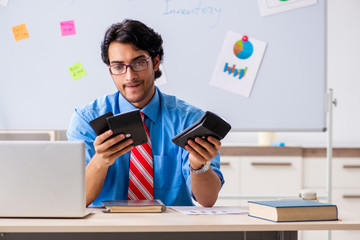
<point>168,225</point>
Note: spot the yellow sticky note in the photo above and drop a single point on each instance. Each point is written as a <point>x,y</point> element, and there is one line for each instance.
<point>77,71</point>
<point>20,32</point>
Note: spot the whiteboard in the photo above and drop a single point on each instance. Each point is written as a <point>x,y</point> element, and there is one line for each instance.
<point>37,91</point>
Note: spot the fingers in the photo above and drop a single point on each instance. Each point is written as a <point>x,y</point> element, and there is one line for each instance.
<point>109,149</point>
<point>120,149</point>
<point>194,154</point>
<point>215,142</point>
<point>201,153</point>
<point>203,150</point>
<point>102,137</point>
<point>103,142</point>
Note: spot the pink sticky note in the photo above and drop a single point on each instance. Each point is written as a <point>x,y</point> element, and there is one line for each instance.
<point>67,28</point>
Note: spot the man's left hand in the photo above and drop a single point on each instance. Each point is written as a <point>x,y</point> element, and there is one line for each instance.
<point>202,151</point>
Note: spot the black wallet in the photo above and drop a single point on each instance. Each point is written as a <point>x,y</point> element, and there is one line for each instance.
<point>128,123</point>
<point>209,124</point>
<point>100,125</point>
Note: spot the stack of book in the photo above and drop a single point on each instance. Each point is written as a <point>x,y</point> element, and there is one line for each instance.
<point>293,210</point>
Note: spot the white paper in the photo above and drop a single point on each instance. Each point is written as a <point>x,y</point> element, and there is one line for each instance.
<point>268,7</point>
<point>4,2</point>
<point>161,80</point>
<point>196,210</point>
<point>237,67</point>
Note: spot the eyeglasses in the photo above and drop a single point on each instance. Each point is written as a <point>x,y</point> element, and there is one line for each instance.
<point>120,69</point>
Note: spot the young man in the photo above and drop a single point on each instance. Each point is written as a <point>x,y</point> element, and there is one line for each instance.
<point>133,53</point>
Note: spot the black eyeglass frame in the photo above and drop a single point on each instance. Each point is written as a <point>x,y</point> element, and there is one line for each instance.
<point>130,65</point>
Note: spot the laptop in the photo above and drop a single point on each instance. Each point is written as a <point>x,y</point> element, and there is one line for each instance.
<point>42,179</point>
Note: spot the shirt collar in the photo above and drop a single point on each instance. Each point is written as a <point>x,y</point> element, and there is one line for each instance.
<point>151,110</point>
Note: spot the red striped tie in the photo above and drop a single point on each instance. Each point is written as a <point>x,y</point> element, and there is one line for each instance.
<point>141,170</point>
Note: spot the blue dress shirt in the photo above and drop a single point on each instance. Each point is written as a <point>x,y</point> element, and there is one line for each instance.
<point>166,116</point>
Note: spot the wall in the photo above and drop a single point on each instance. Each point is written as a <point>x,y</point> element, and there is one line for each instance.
<point>276,103</point>
<point>343,63</point>
<point>343,78</point>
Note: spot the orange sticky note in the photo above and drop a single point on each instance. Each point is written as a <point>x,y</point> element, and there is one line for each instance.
<point>20,32</point>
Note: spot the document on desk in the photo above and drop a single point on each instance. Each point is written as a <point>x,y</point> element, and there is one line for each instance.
<point>220,210</point>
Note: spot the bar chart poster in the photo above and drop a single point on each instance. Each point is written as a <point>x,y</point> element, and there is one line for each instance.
<point>238,63</point>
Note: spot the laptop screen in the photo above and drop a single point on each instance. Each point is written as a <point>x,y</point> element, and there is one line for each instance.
<point>42,179</point>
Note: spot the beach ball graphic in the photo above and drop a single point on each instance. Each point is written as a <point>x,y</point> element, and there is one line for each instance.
<point>243,48</point>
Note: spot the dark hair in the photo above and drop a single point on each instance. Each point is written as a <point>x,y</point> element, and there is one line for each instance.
<point>137,34</point>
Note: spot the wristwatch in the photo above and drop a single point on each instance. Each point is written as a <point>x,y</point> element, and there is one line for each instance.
<point>204,168</point>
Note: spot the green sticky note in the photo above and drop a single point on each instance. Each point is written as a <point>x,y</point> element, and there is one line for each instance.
<point>77,71</point>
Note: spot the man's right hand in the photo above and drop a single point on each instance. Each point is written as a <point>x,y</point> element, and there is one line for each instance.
<point>107,150</point>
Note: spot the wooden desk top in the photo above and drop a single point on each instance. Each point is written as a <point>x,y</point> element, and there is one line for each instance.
<point>169,221</point>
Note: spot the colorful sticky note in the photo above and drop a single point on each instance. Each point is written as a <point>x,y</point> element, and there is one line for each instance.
<point>67,28</point>
<point>77,71</point>
<point>20,32</point>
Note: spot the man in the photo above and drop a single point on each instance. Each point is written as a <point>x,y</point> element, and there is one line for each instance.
<point>133,53</point>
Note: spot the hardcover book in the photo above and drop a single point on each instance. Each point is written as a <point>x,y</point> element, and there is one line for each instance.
<point>129,206</point>
<point>293,210</point>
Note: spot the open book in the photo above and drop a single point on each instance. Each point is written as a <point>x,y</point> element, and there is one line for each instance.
<point>134,206</point>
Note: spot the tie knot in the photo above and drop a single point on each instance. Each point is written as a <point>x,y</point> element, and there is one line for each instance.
<point>142,115</point>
